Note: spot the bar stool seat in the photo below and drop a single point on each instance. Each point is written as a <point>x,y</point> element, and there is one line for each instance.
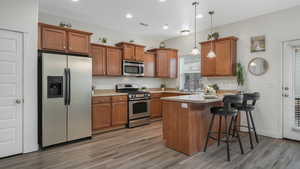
<point>224,112</point>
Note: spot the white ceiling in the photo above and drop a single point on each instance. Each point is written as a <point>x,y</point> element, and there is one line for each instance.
<point>175,13</point>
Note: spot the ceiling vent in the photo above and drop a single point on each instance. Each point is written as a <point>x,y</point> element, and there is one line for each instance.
<point>144,24</point>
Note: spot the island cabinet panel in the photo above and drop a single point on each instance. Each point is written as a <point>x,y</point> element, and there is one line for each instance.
<point>78,43</point>
<point>185,125</point>
<point>98,54</point>
<point>149,62</point>
<point>59,39</point>
<point>101,116</point>
<point>53,39</point>
<point>119,113</point>
<point>114,61</point>
<point>224,64</point>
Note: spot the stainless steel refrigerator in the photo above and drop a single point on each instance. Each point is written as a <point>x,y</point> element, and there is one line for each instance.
<point>65,83</point>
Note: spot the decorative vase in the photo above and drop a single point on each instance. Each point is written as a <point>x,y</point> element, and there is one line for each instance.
<point>162,45</point>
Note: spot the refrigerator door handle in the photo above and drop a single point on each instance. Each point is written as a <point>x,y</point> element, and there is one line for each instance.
<point>66,86</point>
<point>69,86</point>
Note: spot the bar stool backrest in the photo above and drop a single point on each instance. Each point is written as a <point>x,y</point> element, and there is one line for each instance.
<point>230,100</point>
<point>250,98</point>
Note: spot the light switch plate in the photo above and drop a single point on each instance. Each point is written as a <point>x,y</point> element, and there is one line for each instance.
<point>184,105</point>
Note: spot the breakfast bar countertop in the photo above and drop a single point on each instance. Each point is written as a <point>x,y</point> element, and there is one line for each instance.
<point>197,99</point>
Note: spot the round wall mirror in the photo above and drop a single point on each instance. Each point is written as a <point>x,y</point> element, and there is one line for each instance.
<point>258,66</point>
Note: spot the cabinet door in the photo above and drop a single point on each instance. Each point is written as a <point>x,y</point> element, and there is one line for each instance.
<point>173,64</point>
<point>224,59</point>
<point>78,43</point>
<point>119,113</point>
<point>114,62</point>
<point>208,65</point>
<point>149,63</point>
<point>139,53</point>
<point>129,52</point>
<point>162,63</point>
<point>156,108</point>
<point>101,116</point>
<point>99,60</point>
<point>53,39</point>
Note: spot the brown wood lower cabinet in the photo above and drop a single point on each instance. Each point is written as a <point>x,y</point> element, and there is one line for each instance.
<point>101,115</point>
<point>155,108</point>
<point>119,113</point>
<point>109,111</point>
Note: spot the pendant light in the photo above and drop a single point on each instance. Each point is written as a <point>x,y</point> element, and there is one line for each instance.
<point>211,53</point>
<point>195,50</point>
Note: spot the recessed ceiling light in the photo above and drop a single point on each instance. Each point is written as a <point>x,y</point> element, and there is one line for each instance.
<point>162,0</point>
<point>199,16</point>
<point>129,16</point>
<point>75,0</point>
<point>165,27</point>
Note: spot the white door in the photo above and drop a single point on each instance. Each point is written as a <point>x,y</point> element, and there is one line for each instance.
<point>291,90</point>
<point>11,47</point>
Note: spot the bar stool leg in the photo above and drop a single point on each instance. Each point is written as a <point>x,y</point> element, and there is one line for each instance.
<point>209,130</point>
<point>249,130</point>
<point>254,129</point>
<point>238,134</point>
<point>230,125</point>
<point>219,133</point>
<point>227,139</point>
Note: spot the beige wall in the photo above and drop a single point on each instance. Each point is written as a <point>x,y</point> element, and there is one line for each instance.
<point>22,16</point>
<point>277,27</point>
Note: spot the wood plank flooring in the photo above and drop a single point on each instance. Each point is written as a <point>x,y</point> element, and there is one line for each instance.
<point>143,148</point>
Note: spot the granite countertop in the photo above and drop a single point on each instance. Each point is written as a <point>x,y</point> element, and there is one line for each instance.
<point>108,93</point>
<point>198,99</point>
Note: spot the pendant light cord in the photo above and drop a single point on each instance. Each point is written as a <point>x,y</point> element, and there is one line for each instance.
<point>195,42</point>
<point>211,29</point>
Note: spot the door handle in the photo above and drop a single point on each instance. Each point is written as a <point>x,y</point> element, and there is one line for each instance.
<point>286,88</point>
<point>18,101</point>
<point>285,95</point>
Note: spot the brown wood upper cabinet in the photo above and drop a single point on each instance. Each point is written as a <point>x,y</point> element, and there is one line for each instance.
<point>149,64</point>
<point>225,62</point>
<point>132,52</point>
<point>166,62</point>
<point>107,60</point>
<point>55,38</point>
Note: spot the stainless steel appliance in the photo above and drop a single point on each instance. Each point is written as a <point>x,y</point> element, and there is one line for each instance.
<point>138,104</point>
<point>133,68</point>
<point>64,98</point>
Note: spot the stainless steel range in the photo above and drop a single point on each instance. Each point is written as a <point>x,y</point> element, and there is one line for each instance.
<point>138,104</point>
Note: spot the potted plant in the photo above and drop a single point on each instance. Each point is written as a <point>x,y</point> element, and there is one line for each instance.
<point>240,76</point>
<point>163,87</point>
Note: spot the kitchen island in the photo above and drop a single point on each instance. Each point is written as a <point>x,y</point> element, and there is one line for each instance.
<point>186,120</point>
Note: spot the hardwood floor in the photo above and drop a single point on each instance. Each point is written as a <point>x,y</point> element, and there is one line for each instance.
<point>143,148</point>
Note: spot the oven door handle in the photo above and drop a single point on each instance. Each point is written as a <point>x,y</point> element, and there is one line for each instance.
<point>139,101</point>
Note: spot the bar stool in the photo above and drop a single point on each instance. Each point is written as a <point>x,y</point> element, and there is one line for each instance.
<point>226,110</point>
<point>248,106</point>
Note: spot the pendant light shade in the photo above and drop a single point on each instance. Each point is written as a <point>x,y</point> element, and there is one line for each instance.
<point>195,50</point>
<point>211,53</point>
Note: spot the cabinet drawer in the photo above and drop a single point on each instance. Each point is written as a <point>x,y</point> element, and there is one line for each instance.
<point>156,95</point>
<point>119,99</point>
<point>101,99</point>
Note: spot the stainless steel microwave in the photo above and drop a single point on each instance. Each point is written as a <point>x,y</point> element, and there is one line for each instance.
<point>131,68</point>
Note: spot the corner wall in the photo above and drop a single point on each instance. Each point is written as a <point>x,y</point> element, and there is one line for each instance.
<point>277,27</point>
